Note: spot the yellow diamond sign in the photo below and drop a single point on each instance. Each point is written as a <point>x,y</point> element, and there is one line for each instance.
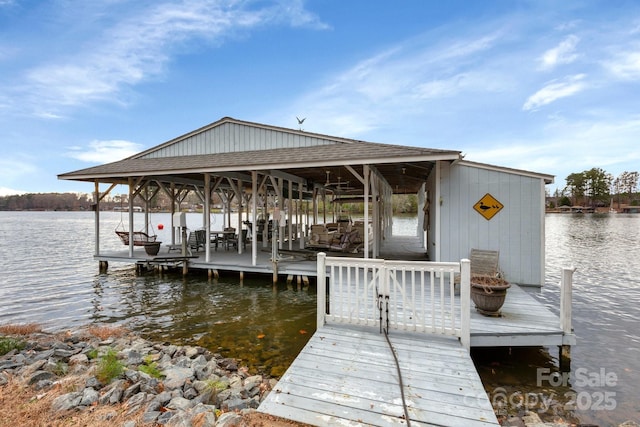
<point>488,206</point>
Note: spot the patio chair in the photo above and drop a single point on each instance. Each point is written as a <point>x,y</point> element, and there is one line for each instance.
<point>197,240</point>
<point>483,262</point>
<point>233,240</point>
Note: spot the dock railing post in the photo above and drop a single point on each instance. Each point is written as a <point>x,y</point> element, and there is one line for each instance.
<point>566,294</point>
<point>465,303</point>
<point>321,289</point>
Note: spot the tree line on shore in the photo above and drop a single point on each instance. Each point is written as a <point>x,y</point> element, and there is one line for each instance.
<point>84,202</point>
<point>595,187</point>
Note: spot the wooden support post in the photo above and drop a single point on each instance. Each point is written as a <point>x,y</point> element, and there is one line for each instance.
<point>275,270</point>
<point>103,266</point>
<point>465,304</point>
<point>289,279</point>
<point>322,289</point>
<point>241,276</point>
<point>305,280</point>
<point>566,295</point>
<point>185,267</point>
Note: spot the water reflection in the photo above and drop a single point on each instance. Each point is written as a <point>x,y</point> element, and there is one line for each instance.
<point>58,286</point>
<point>264,325</point>
<point>604,249</point>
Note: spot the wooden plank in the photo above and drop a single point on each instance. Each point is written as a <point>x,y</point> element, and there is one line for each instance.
<point>346,375</point>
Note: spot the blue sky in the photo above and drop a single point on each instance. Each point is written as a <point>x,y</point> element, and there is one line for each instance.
<point>547,86</point>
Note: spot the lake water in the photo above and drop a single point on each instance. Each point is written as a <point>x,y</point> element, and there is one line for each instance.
<point>48,276</point>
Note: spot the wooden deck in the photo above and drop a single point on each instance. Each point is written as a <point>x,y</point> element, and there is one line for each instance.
<point>346,375</point>
<point>524,322</point>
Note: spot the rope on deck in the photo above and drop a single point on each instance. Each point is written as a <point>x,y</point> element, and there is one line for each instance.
<point>395,356</point>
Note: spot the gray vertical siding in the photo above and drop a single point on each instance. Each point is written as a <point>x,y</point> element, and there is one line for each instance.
<point>516,231</point>
<point>233,138</point>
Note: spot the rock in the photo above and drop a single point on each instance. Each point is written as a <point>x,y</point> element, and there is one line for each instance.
<point>9,365</point>
<point>252,385</point>
<point>41,376</point>
<point>163,398</point>
<point>190,393</point>
<point>130,391</point>
<point>113,393</point>
<point>150,417</point>
<point>93,382</point>
<point>133,375</point>
<point>225,395</point>
<point>89,396</point>
<point>27,371</point>
<point>132,357</point>
<point>66,402</point>
<point>194,378</point>
<point>191,352</point>
<point>179,403</point>
<point>235,381</point>
<point>78,359</point>
<point>204,415</point>
<point>164,417</point>
<point>63,353</point>
<point>170,350</point>
<point>199,362</point>
<point>229,419</point>
<point>228,364</point>
<point>177,376</point>
<point>134,403</point>
<point>41,356</point>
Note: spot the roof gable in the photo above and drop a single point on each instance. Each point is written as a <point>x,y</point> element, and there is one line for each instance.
<point>229,135</point>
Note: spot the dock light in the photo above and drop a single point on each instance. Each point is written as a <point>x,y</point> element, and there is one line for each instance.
<point>160,227</point>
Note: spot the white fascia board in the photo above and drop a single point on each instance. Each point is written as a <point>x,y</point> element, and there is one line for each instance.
<point>547,178</point>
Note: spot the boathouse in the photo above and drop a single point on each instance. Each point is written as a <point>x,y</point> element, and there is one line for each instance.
<point>465,205</point>
<point>349,372</point>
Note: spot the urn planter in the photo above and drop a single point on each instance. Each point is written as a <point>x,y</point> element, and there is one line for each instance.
<point>488,294</point>
<point>152,248</point>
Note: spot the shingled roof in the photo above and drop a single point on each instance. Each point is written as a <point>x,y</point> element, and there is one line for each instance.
<point>221,147</point>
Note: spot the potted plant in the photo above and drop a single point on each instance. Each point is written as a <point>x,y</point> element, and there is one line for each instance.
<point>152,248</point>
<point>488,293</point>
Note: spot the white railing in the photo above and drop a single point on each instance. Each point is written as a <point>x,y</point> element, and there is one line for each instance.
<point>400,295</point>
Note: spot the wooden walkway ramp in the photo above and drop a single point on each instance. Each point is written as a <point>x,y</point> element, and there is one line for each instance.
<point>346,375</point>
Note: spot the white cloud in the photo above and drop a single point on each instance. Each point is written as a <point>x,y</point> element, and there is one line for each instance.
<point>139,48</point>
<point>398,83</point>
<point>104,151</point>
<point>555,90</point>
<point>4,191</point>
<point>625,65</point>
<point>563,53</point>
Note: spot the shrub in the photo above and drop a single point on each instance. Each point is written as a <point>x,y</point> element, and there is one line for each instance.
<point>109,367</point>
<point>21,329</point>
<point>104,332</point>
<point>150,368</point>
<point>8,344</point>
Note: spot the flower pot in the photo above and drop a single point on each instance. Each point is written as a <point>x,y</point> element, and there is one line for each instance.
<point>488,294</point>
<point>152,248</point>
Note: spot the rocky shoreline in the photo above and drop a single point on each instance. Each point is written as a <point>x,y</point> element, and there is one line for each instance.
<point>154,384</point>
<point>119,379</point>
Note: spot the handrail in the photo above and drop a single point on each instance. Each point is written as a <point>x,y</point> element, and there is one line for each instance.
<point>421,294</point>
